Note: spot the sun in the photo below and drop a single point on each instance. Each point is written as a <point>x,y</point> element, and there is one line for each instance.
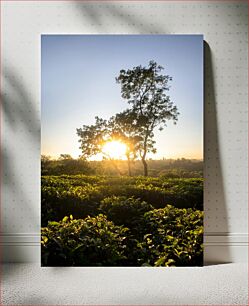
<point>115,149</point>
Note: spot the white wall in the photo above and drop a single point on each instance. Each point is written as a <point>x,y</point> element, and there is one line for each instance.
<point>224,25</point>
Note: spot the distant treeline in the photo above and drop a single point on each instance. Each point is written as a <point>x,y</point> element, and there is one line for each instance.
<point>172,168</point>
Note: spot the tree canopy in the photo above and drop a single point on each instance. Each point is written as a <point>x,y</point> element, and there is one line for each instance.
<point>92,137</point>
<point>145,88</point>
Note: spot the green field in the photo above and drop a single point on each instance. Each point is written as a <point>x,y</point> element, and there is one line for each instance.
<point>94,220</point>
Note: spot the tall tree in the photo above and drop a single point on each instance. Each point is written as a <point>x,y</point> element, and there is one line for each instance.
<point>145,89</point>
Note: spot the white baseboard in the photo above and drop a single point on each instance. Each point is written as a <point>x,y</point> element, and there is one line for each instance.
<point>20,247</point>
<point>225,247</point>
<point>218,247</point>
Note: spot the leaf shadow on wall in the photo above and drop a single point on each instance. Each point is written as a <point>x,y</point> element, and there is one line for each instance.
<point>126,18</point>
<point>21,175</point>
<point>215,210</point>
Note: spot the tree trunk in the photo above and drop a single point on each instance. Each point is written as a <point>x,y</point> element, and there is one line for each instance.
<point>129,165</point>
<point>116,167</point>
<point>145,167</point>
<point>144,154</point>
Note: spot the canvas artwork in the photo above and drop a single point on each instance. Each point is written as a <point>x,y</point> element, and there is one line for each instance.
<point>122,150</point>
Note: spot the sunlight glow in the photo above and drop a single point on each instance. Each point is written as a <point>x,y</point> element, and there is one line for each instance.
<point>115,149</point>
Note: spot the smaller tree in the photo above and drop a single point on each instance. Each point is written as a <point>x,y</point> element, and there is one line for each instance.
<point>65,157</point>
<point>92,137</point>
<point>122,128</point>
<point>45,162</point>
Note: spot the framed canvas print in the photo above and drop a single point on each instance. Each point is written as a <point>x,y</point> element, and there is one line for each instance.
<point>122,150</point>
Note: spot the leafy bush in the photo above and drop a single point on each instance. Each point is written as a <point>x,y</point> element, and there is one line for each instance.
<point>81,195</point>
<point>161,237</point>
<point>83,242</point>
<point>171,236</point>
<point>124,211</point>
<point>182,193</point>
<point>66,166</point>
<point>64,195</point>
<point>180,173</point>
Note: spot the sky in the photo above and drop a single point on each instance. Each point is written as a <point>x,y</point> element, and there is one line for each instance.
<point>78,83</point>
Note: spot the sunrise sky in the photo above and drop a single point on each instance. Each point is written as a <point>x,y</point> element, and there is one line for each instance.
<point>78,83</point>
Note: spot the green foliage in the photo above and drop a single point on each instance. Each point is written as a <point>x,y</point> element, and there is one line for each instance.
<point>160,237</point>
<point>124,211</point>
<point>81,195</point>
<point>65,165</point>
<point>60,198</point>
<point>178,192</point>
<point>180,173</point>
<point>83,242</point>
<point>172,236</point>
<point>168,168</point>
